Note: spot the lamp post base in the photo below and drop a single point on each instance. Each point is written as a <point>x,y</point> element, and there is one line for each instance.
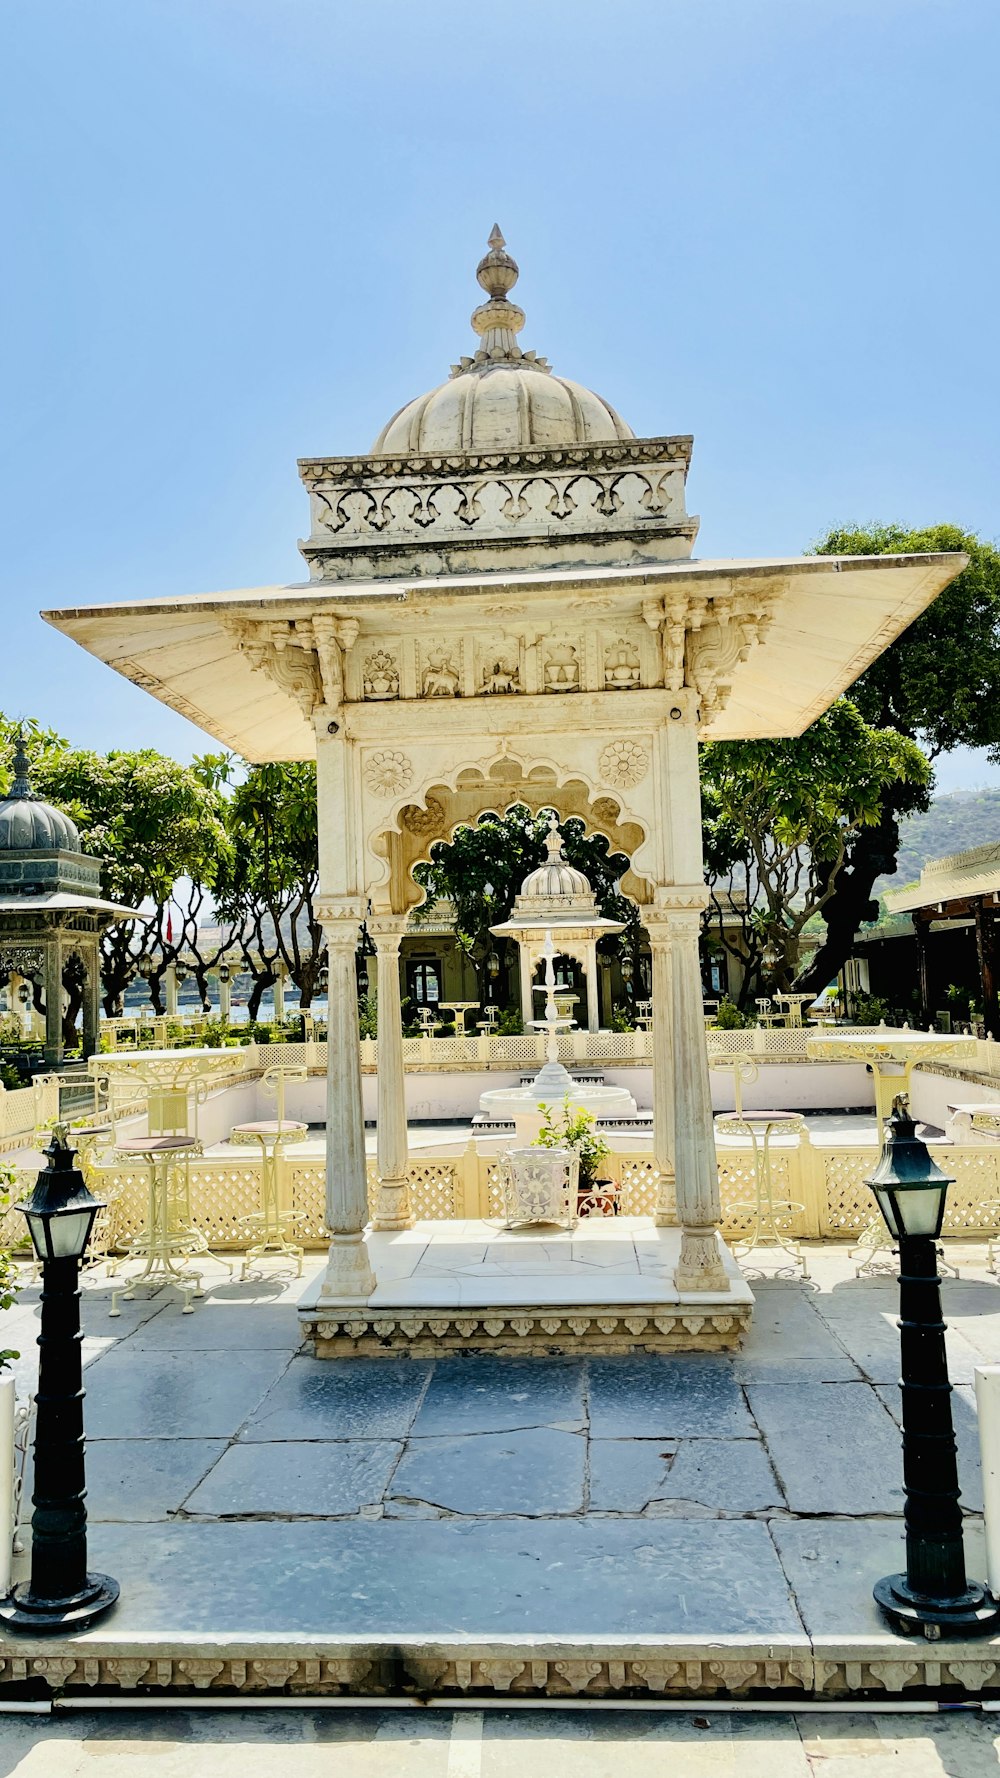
<point>972,1612</point>
<point>46,1617</point>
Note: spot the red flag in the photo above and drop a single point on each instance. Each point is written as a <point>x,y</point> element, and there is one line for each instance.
<point>170,928</point>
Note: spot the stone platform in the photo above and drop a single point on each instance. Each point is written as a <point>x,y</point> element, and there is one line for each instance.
<point>635,1526</point>
<point>606,1286</point>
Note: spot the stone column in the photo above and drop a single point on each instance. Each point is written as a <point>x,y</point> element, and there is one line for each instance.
<point>987,954</point>
<point>659,932</point>
<point>348,1271</point>
<point>699,1210</point>
<point>52,988</point>
<point>279,993</point>
<point>92,1000</point>
<point>923,931</point>
<point>170,991</point>
<point>593,989</point>
<point>526,962</point>
<point>393,1207</point>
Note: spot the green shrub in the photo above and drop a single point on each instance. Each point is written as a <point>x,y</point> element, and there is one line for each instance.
<point>575,1129</point>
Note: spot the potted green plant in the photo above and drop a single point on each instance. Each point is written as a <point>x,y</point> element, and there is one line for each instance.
<point>572,1127</point>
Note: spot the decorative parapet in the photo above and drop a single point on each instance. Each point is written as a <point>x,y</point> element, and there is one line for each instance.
<point>376,516</point>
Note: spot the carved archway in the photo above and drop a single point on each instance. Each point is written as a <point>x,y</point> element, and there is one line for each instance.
<point>421,821</point>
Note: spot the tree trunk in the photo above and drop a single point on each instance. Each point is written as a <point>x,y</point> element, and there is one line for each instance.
<point>872,855</point>
<point>257,992</point>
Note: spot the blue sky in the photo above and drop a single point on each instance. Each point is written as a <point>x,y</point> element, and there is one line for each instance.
<point>243,231</point>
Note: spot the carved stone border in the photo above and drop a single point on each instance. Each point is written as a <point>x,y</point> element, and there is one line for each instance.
<point>628,1328</point>
<point>731,1668</point>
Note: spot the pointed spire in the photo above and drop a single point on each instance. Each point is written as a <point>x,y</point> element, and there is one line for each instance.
<point>497,321</point>
<point>21,787</point>
<point>553,840</point>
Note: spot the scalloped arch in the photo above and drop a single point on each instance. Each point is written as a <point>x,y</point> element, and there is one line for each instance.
<point>491,787</point>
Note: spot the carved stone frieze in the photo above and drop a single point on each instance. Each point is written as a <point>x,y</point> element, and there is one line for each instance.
<point>561,670</point>
<point>424,823</point>
<point>581,491</point>
<point>525,1330</point>
<point>499,667</point>
<point>624,763</point>
<point>387,772</point>
<point>380,675</point>
<point>24,960</point>
<point>441,676</point>
<point>622,667</point>
<point>305,656</point>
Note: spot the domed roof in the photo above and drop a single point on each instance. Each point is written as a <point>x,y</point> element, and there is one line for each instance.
<point>26,823</point>
<point>502,399</point>
<point>555,877</point>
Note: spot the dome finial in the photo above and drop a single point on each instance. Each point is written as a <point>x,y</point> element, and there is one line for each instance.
<point>553,839</point>
<point>21,786</point>
<point>497,321</point>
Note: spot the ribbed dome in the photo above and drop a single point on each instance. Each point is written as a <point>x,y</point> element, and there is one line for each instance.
<point>29,825</point>
<point>555,877</point>
<point>502,399</point>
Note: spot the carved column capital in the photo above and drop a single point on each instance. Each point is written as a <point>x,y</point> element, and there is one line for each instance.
<point>388,931</point>
<point>341,921</point>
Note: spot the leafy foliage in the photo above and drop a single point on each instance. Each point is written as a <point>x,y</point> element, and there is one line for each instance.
<point>577,1129</point>
<point>778,817</point>
<point>937,682</point>
<point>936,685</point>
<point>481,869</point>
<point>152,823</point>
<point>268,892</point>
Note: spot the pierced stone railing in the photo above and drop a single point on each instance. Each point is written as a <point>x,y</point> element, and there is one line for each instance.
<point>826,1183</point>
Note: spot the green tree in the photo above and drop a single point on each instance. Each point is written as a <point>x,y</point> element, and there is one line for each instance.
<point>935,685</point>
<point>268,891</point>
<point>481,869</point>
<point>779,818</point>
<point>160,833</point>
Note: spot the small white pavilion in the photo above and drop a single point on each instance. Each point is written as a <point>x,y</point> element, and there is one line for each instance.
<point>502,606</point>
<point>557,898</point>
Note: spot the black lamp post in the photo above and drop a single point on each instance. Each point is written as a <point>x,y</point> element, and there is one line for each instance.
<point>493,973</point>
<point>60,1595</point>
<point>934,1595</point>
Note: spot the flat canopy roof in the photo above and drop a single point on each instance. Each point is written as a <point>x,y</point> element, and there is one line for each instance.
<point>960,877</point>
<point>832,617</point>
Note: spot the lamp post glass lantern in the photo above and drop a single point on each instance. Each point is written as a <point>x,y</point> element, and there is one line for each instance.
<point>60,1594</point>
<point>934,1595</point>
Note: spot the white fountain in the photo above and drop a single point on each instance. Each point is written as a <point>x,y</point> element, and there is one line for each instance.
<point>553,1084</point>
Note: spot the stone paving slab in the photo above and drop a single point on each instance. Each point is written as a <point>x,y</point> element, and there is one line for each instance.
<point>145,1479</point>
<point>431,1578</point>
<point>499,1743</point>
<point>648,1396</point>
<point>835,1447</point>
<point>293,1480</point>
<point>699,1475</point>
<point>143,1394</point>
<point>481,1392</point>
<point>534,1471</point>
<point>313,1399</point>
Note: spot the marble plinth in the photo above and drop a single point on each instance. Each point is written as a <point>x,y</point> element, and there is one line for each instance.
<point>606,1286</point>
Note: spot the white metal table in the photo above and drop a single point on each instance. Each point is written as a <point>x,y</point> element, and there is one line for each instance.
<point>766,1224</point>
<point>167,1235</point>
<point>270,1224</point>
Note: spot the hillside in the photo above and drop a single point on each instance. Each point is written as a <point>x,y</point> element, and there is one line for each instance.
<point>954,821</point>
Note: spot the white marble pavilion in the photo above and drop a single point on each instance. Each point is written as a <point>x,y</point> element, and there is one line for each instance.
<point>502,605</point>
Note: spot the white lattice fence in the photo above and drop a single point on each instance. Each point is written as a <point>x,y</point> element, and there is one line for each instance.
<point>973,1202</point>
<point>640,1183</point>
<point>737,1188</point>
<point>846,1203</point>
